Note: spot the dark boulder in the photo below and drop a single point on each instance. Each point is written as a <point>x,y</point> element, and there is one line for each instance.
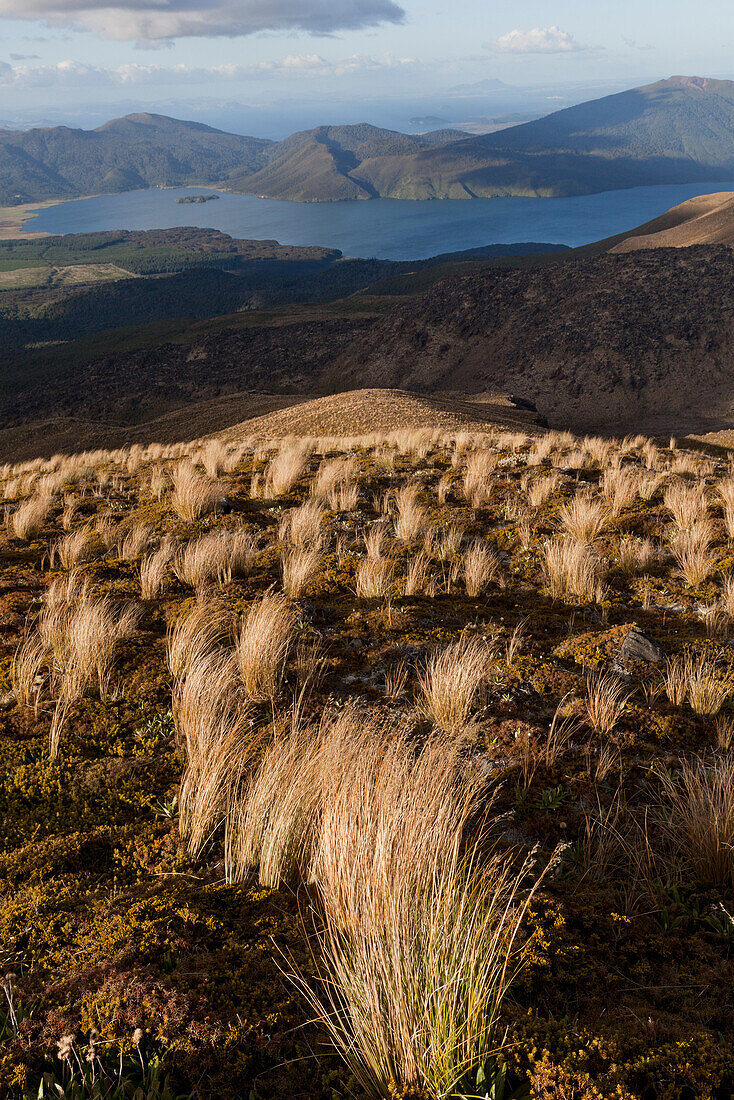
<point>637,646</point>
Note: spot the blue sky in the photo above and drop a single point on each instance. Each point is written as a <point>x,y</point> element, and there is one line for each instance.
<point>58,54</point>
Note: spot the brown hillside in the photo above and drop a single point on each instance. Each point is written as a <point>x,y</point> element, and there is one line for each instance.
<point>707,219</point>
<point>64,434</point>
<point>363,412</point>
<point>639,341</point>
<point>635,342</point>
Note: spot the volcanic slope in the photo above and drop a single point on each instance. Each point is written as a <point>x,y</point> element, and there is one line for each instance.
<point>641,341</point>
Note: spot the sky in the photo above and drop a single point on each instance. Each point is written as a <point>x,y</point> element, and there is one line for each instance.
<point>268,64</point>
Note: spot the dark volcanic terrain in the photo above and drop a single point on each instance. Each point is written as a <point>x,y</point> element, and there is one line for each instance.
<point>642,340</point>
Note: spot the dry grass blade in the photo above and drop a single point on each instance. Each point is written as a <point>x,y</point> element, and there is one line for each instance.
<point>194,494</point>
<point>481,567</point>
<point>299,567</point>
<point>584,518</point>
<point>606,699</point>
<point>451,680</point>
<point>698,813</point>
<point>265,638</point>
<point>29,517</point>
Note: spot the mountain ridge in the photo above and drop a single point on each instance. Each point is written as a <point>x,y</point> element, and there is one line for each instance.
<point>677,130</point>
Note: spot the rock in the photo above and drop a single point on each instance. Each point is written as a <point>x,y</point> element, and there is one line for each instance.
<point>521,402</point>
<point>637,646</point>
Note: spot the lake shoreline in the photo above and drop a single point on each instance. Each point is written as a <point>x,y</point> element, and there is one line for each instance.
<point>383,229</point>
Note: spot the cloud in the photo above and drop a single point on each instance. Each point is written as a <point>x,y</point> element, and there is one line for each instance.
<point>633,45</point>
<point>150,20</point>
<point>75,74</point>
<point>538,40</point>
<point>24,57</point>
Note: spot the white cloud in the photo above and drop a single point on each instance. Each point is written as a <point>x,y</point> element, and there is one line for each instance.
<point>150,20</point>
<point>75,74</point>
<point>538,40</point>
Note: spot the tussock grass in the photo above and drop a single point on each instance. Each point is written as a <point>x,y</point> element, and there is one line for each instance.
<point>584,518</point>
<point>687,505</point>
<point>28,519</point>
<point>376,541</point>
<point>80,636</point>
<point>619,488</point>
<point>284,470</point>
<point>300,566</point>
<point>418,578</point>
<point>216,557</point>
<point>481,567</point>
<point>76,548</point>
<point>26,670</point>
<point>135,541</point>
<point>451,681</point>
<point>417,949</point>
<point>375,578</point>
<point>480,466</point>
<point>207,626</point>
<point>155,569</point>
<point>443,543</point>
<point>194,494</point>
<point>412,518</point>
<point>304,526</point>
<point>332,475</point>
<point>696,679</point>
<point>637,555</point>
<point>214,725</point>
<point>606,699</point>
<point>214,458</point>
<point>698,817</point>
<point>572,569</point>
<point>691,548</point>
<point>541,489</point>
<point>263,644</point>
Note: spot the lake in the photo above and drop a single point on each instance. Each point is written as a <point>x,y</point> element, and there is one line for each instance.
<point>390,229</point>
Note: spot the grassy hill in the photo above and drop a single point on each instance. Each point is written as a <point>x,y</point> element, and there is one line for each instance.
<point>706,219</point>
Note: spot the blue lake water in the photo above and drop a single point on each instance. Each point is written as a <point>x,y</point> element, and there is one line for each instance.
<point>391,229</point>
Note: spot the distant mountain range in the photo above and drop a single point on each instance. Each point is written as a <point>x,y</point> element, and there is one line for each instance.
<point>675,131</point>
